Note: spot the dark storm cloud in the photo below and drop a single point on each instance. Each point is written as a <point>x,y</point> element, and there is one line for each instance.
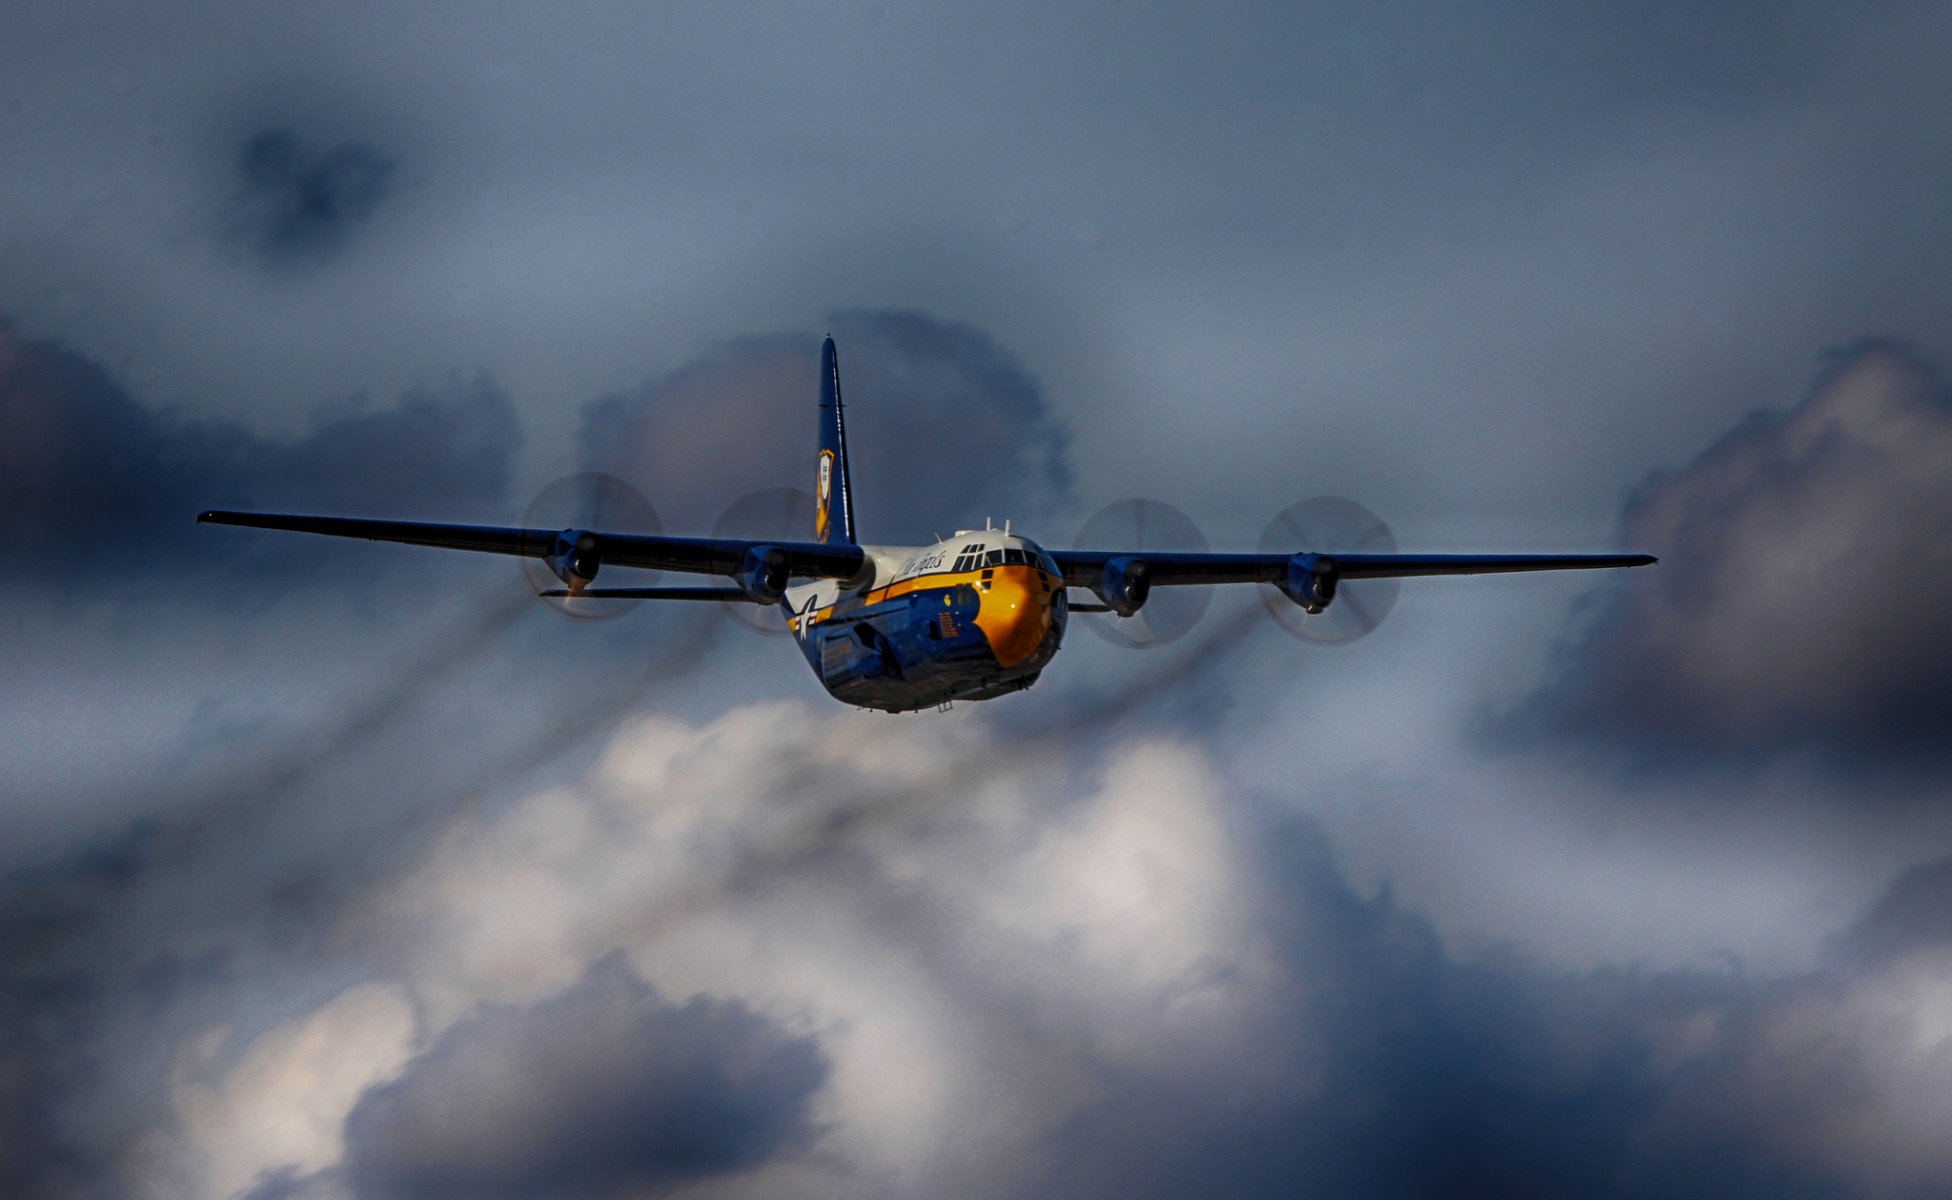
<point>1378,1062</point>
<point>603,1088</point>
<point>289,1184</point>
<point>944,427</point>
<point>1806,567</point>
<point>301,200</point>
<point>1915,913</point>
<point>78,967</point>
<point>1391,1067</point>
<point>94,481</point>
<point>98,488</point>
<point>1838,1075</point>
<point>36,1023</point>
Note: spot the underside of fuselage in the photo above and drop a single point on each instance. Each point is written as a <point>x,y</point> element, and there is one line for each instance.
<point>969,619</point>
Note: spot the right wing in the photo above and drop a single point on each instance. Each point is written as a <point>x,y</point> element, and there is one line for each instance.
<point>1085,568</point>
<point>1122,581</point>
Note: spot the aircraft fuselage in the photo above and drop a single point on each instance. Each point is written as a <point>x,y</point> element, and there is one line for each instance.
<point>971,617</point>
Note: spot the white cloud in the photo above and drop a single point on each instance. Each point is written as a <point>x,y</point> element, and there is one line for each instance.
<point>883,882</point>
<point>1848,1075</point>
<point>283,1102</point>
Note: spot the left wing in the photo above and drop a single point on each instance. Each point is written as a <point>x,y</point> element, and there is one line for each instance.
<point>762,569</point>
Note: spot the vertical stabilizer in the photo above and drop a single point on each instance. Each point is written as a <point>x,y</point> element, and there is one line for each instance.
<point>833,496</point>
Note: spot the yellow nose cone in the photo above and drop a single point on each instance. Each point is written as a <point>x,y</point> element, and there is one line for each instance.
<point>1015,613</point>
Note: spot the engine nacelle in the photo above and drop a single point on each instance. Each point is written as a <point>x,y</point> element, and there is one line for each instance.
<point>1311,581</point>
<point>1124,584</point>
<point>575,557</point>
<point>764,575</point>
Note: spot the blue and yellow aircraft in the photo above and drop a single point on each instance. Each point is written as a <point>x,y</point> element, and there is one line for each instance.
<point>902,628</point>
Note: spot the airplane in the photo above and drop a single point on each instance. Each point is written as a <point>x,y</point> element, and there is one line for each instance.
<point>907,628</point>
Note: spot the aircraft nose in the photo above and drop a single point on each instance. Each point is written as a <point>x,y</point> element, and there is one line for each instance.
<point>1015,613</point>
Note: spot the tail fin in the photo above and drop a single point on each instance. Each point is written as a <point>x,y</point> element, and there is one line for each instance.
<point>832,483</point>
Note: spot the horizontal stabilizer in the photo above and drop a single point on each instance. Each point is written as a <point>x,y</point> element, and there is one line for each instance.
<point>653,593</point>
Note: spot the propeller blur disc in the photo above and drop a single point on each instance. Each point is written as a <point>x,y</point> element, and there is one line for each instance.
<point>596,501</point>
<point>785,513</point>
<point>1331,525</point>
<point>1138,525</point>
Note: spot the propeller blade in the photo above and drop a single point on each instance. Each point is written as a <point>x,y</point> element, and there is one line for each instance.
<point>785,513</point>
<point>1331,525</point>
<point>587,500</point>
<point>1138,525</point>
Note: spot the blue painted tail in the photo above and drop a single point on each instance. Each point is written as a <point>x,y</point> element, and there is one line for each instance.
<point>833,497</point>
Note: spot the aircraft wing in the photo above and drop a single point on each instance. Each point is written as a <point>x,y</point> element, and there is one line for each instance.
<point>698,556</point>
<point>1086,568</point>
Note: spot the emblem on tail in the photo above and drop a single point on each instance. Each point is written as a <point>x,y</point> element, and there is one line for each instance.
<point>823,496</point>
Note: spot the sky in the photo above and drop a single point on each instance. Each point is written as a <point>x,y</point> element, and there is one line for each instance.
<point>352,872</point>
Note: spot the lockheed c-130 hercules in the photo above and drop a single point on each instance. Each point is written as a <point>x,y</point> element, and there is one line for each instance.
<point>978,615</point>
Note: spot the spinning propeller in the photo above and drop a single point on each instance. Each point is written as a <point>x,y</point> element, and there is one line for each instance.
<point>1136,526</point>
<point>1331,525</point>
<point>585,501</point>
<point>1324,525</point>
<point>783,513</point>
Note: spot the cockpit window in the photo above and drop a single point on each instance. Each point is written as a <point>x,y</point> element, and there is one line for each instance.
<point>1013,557</point>
<point>993,558</point>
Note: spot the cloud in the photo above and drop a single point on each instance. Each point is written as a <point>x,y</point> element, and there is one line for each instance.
<point>283,1102</point>
<point>36,1159</point>
<point>602,1089</point>
<point>93,482</point>
<point>937,957</point>
<point>1043,951</point>
<point>943,426</point>
<point>301,201</point>
<point>1844,1073</point>
<point>1107,972</point>
<point>1806,565</point>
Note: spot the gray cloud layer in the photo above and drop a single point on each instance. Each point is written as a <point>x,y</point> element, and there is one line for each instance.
<point>602,1090</point>
<point>1199,1002</point>
<point>944,427</point>
<point>1482,265</point>
<point>1381,1062</point>
<point>1806,567</point>
<point>301,202</point>
<point>93,482</point>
